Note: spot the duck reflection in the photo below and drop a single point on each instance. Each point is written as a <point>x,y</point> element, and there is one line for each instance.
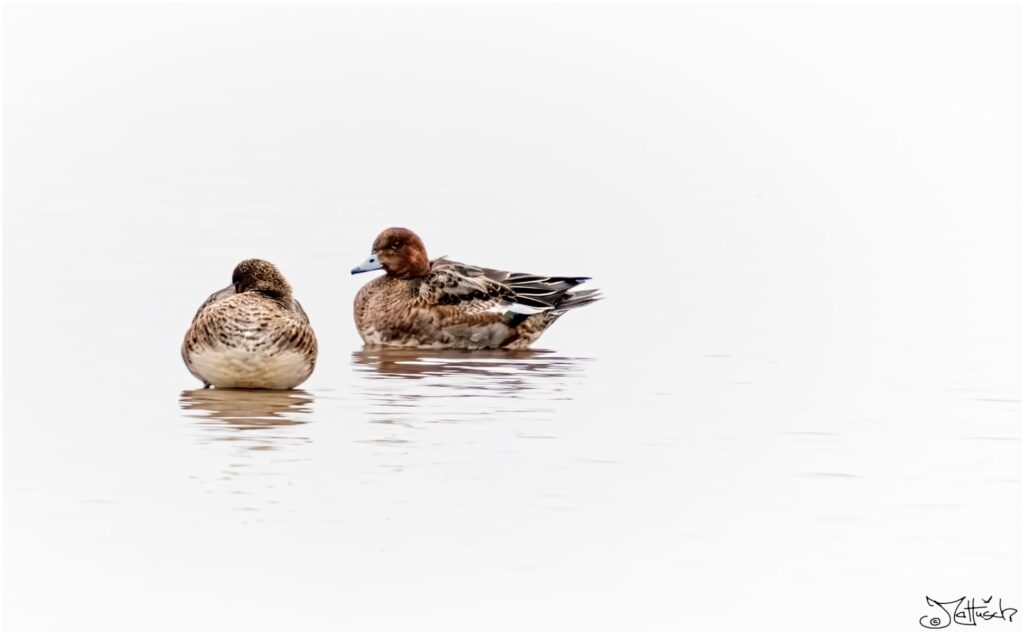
<point>257,437</point>
<point>248,409</point>
<point>409,387</point>
<point>256,417</point>
<point>416,363</point>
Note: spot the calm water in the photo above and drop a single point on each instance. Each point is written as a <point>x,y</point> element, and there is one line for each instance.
<point>427,489</point>
<point>797,407</point>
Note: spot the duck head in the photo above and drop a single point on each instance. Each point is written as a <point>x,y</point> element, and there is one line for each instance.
<point>261,276</point>
<point>399,252</point>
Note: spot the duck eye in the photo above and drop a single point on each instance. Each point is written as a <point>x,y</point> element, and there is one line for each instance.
<point>396,245</point>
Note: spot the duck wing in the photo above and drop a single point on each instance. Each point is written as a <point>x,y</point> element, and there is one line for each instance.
<point>456,284</point>
<point>521,294</point>
<point>544,293</point>
<point>215,297</point>
<point>299,311</point>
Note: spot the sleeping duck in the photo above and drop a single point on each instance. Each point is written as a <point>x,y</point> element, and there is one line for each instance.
<point>251,334</point>
<point>422,303</point>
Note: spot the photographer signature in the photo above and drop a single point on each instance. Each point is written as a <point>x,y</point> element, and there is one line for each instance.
<point>957,612</point>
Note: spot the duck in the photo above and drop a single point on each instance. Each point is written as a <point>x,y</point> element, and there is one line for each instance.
<point>251,334</point>
<point>441,303</point>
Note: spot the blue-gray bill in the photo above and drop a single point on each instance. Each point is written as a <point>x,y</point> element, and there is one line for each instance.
<point>370,264</point>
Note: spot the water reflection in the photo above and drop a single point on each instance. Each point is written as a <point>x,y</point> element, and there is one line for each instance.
<point>495,364</point>
<point>255,418</point>
<point>407,387</point>
<point>255,436</point>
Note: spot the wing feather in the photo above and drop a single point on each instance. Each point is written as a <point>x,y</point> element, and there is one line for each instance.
<point>216,296</point>
<point>476,289</point>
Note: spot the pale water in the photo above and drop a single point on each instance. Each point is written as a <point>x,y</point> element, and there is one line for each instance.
<point>796,408</point>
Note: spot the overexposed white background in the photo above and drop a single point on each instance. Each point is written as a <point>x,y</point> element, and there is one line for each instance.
<point>826,197</point>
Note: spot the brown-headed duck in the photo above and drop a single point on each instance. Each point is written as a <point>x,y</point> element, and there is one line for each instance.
<point>423,303</point>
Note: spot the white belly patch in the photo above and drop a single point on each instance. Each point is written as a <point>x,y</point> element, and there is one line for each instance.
<point>245,369</point>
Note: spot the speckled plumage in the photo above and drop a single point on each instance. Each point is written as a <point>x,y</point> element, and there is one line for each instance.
<point>252,334</point>
<point>447,304</point>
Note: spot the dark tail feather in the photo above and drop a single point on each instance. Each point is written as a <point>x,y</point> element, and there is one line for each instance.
<point>577,299</point>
